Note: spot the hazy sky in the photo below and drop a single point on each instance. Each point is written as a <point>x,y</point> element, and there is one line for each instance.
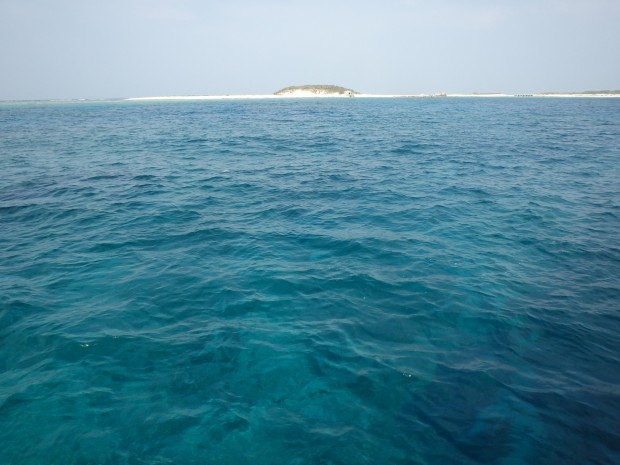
<point>122,48</point>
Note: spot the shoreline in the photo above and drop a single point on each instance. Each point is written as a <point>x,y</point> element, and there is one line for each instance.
<point>339,96</point>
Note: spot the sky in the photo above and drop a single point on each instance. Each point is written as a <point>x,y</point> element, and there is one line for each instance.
<point>59,49</point>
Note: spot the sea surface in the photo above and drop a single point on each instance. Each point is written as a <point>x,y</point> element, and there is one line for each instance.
<point>377,281</point>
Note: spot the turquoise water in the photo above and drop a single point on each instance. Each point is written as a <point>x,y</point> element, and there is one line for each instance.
<point>350,281</point>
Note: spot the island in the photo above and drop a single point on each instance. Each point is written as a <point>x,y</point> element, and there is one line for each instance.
<point>586,93</point>
<point>328,90</point>
<point>316,90</point>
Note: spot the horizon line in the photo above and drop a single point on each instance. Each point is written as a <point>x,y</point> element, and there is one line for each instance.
<point>582,94</point>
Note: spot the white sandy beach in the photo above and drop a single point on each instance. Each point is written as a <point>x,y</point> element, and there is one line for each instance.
<point>300,95</point>
<point>308,94</point>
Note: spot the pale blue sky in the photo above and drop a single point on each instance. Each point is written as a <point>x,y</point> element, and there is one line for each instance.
<point>123,48</point>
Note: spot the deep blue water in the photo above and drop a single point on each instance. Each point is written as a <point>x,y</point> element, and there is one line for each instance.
<point>407,281</point>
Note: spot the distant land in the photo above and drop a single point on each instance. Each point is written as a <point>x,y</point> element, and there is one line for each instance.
<point>316,89</point>
<point>587,92</point>
<point>334,91</point>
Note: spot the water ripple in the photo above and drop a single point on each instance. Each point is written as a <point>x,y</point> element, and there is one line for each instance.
<point>331,282</point>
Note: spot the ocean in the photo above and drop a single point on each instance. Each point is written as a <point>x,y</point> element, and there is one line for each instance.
<point>312,281</point>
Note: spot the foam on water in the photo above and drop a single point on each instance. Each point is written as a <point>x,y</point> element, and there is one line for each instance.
<point>332,282</point>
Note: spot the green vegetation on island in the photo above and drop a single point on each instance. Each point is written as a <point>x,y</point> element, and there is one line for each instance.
<point>317,89</point>
<point>602,92</point>
<point>586,92</point>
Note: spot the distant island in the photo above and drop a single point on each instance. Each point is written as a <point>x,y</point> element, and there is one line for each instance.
<point>329,90</point>
<point>585,92</point>
<point>318,90</point>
